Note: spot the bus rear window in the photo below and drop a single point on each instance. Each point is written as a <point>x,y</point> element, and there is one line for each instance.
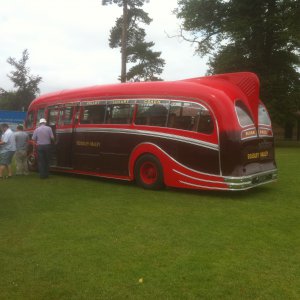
<point>243,114</point>
<point>263,116</point>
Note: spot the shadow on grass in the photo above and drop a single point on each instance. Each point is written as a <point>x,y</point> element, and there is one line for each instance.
<point>252,194</point>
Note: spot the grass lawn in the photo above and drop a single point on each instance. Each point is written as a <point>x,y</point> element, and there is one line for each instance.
<point>82,238</point>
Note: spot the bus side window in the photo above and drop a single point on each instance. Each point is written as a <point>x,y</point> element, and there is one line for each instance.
<point>77,111</point>
<point>190,116</point>
<point>68,115</point>
<point>119,113</point>
<point>30,120</point>
<point>180,116</point>
<point>52,116</point>
<point>205,123</point>
<point>40,114</point>
<point>65,116</point>
<point>93,114</point>
<point>152,114</point>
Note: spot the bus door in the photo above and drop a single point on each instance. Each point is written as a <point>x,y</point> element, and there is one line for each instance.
<point>64,135</point>
<point>89,137</point>
<point>51,117</point>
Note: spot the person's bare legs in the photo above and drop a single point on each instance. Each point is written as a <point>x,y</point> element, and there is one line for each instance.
<point>2,168</point>
<point>9,170</point>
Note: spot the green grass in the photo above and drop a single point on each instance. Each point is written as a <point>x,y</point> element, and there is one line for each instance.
<point>82,238</point>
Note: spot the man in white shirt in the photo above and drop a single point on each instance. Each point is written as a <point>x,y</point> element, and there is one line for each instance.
<point>7,150</point>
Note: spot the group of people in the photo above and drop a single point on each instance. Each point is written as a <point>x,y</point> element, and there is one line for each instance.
<point>15,144</point>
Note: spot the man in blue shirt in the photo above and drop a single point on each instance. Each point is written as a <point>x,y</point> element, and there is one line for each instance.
<point>43,136</point>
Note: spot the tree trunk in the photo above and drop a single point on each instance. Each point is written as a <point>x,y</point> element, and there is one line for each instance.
<point>124,41</point>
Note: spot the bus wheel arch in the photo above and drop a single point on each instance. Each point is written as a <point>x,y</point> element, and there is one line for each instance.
<point>148,172</point>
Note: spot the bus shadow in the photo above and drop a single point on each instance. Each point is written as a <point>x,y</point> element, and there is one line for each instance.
<point>251,194</point>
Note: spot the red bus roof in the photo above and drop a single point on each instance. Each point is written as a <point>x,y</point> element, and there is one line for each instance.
<point>214,90</point>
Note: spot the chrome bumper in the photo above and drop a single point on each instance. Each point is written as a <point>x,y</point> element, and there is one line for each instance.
<point>248,182</point>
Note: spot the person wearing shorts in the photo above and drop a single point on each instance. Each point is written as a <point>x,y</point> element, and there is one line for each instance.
<point>7,150</point>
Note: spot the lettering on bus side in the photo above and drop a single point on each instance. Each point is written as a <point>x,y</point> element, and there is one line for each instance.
<point>88,144</point>
<point>93,102</point>
<point>104,102</point>
<point>121,101</point>
<point>152,101</point>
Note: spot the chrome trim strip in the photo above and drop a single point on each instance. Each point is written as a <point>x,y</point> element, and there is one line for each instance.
<point>247,182</point>
<point>229,178</point>
<point>199,179</point>
<point>154,134</point>
<point>68,130</point>
<point>266,136</point>
<point>237,183</point>
<point>202,186</point>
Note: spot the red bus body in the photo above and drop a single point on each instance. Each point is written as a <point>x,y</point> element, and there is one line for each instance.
<point>203,133</point>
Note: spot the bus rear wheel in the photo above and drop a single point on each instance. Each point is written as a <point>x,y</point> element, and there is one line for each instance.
<point>148,172</point>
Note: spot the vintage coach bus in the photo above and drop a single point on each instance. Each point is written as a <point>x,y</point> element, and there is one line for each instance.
<point>202,133</point>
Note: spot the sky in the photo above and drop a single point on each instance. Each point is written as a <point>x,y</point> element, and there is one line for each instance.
<point>67,41</point>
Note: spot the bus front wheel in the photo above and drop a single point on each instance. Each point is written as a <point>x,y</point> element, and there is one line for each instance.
<point>148,172</point>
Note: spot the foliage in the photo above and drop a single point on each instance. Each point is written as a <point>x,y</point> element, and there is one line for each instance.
<point>147,63</point>
<point>255,35</point>
<point>84,238</point>
<point>9,100</point>
<point>26,85</point>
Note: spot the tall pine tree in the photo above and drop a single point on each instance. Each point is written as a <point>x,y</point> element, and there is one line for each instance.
<point>130,37</point>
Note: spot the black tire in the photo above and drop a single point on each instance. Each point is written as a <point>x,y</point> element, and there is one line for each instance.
<point>148,172</point>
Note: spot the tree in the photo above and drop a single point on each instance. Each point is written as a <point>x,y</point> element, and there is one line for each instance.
<point>256,35</point>
<point>26,85</point>
<point>130,37</point>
